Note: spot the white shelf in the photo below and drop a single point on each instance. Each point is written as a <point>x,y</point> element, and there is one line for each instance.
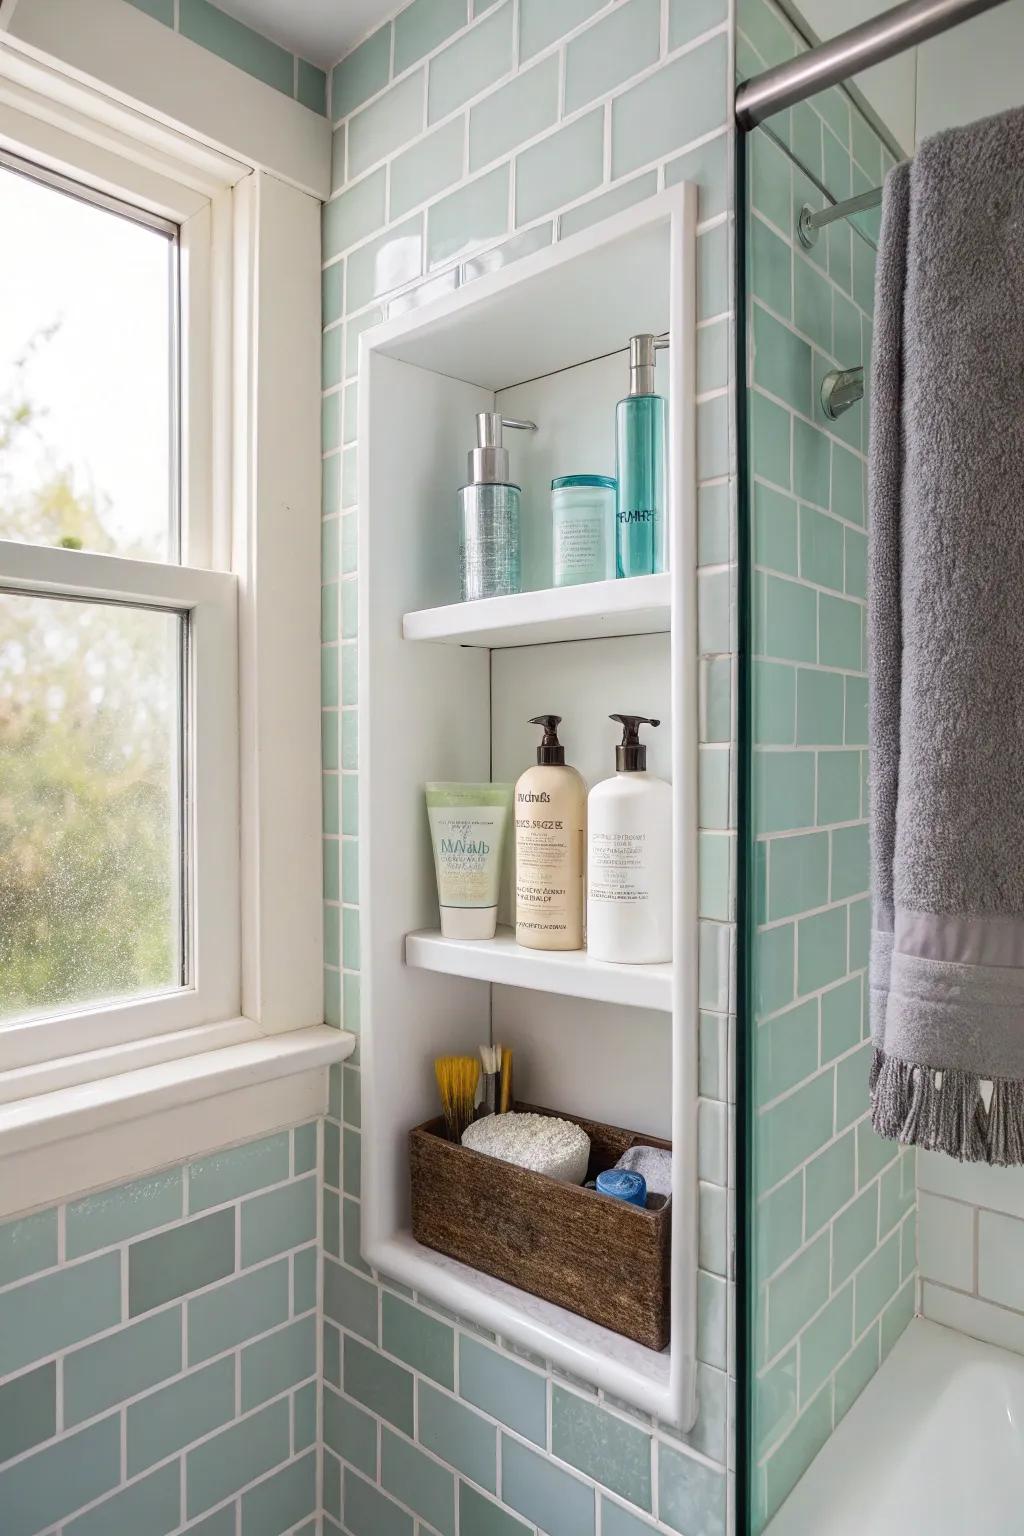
<point>570,973</point>
<point>636,605</point>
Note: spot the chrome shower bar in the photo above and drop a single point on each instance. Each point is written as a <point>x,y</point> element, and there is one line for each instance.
<point>811,220</point>
<point>902,27</point>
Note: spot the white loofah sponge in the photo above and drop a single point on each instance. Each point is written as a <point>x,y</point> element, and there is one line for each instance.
<point>541,1143</point>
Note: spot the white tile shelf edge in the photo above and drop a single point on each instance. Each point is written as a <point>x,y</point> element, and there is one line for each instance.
<point>636,605</point>
<point>570,973</point>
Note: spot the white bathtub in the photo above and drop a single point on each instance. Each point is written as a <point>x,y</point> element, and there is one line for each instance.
<point>934,1446</point>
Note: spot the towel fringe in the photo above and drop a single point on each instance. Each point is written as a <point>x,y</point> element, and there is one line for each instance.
<point>1006,1123</point>
<point>944,1111</point>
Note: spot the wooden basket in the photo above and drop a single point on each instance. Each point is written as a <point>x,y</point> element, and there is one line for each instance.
<point>599,1257</point>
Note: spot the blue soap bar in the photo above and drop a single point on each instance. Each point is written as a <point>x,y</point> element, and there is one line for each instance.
<point>623,1184</point>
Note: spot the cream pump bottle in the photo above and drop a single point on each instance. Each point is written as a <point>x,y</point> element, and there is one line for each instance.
<point>551,819</point>
<point>629,903</point>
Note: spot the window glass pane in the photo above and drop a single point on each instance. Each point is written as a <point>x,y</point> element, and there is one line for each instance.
<point>90,802</point>
<point>86,376</point>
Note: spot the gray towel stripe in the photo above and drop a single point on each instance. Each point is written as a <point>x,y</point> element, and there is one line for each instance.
<point>962,940</point>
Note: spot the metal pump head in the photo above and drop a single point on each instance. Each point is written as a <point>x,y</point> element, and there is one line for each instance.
<point>550,749</point>
<point>488,461</point>
<point>642,356</point>
<point>631,754</point>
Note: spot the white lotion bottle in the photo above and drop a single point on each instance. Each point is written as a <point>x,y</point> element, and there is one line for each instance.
<point>629,864</point>
<point>550,824</point>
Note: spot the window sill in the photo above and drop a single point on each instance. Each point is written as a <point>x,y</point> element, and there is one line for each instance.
<point>114,1125</point>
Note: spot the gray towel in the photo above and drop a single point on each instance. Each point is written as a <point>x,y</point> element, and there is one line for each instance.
<point>946,647</point>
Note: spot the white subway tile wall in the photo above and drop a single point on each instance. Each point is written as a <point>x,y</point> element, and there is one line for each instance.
<point>465,138</point>
<point>971,1248</point>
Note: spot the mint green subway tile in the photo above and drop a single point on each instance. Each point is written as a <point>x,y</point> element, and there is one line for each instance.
<point>349,606</point>
<point>304,1275</point>
<point>775,1396</point>
<point>330,869</point>
<point>349,421</point>
<point>160,10</point>
<point>350,1090</point>
<point>281,1360</point>
<point>782,361</point>
<point>838,785</point>
<point>770,181</point>
<point>332,936</point>
<point>352,1016</point>
<point>779,1226</point>
<point>821,549</point>
<point>330,1223</point>
<point>457,1435</point>
<point>713,437</point>
<point>379,1384</point>
<point>109,1217</point>
<point>821,949</point>
<point>791,1458</point>
<point>820,708</point>
<point>863,275</point>
<point>877,1283</point>
<point>121,1365</point>
<point>364,72</point>
<point>625,42</point>
<point>774,709</point>
<point>783,791</point>
<point>27,1245</point>
<point>713,296</point>
<point>790,620</point>
<point>794,1129</point>
<point>691,1495</point>
<point>607,1449</point>
<point>714,594</point>
<point>854,1237</point>
<point>42,1489</point>
<point>716,686</point>
<point>840,261</point>
<point>474,61</point>
<point>57,1309</point>
<point>712,1241</point>
<point>350,1301</point>
<point>688,19</point>
<point>331,1493</point>
<point>805,137</point>
<point>771,268</point>
<point>852,1086</point>
<point>350,1432</point>
<point>785,1050</point>
<point>311,87</point>
<point>368,1512</point>
<point>304,1148</point>
<point>535,1487</point>
<point>28,1410</point>
<point>824,1343</point>
<point>856,712</point>
<point>423,26</point>
<point>898,1316</point>
<point>834,106</point>
<point>480,1517</point>
<point>798,875</point>
<point>712,1320</point>
<point>350,871</point>
<point>775,530</point>
<point>830,1180</point>
<point>426,168</point>
<point>770,426</point>
<point>422,1341</point>
<point>221,34</point>
<point>339,138</point>
<point>353,331</point>
<point>385,263</point>
<point>835,166</point>
<point>607,203</point>
<point>463,219</point>
<point>714,356</point>
<point>186,1410</point>
<point>224,1176</point>
<point>560,168</point>
<point>840,1018</point>
<point>617,1521</point>
<point>714,524</point>
<point>846,323</point>
<point>866,146</point>
<point>714,787</point>
<point>507,1391</point>
<point>418,1482</point>
<point>280,1502</point>
<point>796,1293</point>
<point>873,1153</point>
<point>237,1456</point>
<point>849,862</point>
<point>839,632</point>
<point>517,112</point>
<point>856,563</point>
<point>897,1193</point>
<point>330,501</point>
<point>810,461</point>
<point>706,166</point>
<point>536,239</point>
<point>683,101</point>
<point>767,31</point>
<point>354,215</point>
<point>332,999</point>
<point>855,1373</point>
<point>330,357</point>
<point>773,968</point>
<point>279,1220</point>
<point>812,305</point>
<point>541,23</point>
<point>153,1505</point>
<point>247,1306</point>
<point>386,124</point>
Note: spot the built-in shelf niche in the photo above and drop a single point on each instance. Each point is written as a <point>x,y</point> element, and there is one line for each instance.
<point>445,691</point>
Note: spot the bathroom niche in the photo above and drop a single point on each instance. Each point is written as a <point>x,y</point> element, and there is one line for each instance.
<point>445,692</point>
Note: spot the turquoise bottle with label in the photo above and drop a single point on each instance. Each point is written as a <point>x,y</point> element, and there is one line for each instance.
<point>640,466</point>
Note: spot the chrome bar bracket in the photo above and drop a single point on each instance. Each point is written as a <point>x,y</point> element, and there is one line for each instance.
<point>840,389</point>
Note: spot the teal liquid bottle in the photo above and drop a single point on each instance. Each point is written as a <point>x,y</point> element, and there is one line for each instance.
<point>640,466</point>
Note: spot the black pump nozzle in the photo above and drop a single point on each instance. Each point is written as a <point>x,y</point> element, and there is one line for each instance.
<point>550,749</point>
<point>631,754</point>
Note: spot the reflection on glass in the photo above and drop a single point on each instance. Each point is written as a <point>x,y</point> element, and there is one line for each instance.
<point>86,398</point>
<point>90,803</point>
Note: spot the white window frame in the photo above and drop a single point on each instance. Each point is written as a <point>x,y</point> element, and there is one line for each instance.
<point>249,251</point>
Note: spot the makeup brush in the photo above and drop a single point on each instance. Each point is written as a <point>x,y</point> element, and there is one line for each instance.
<point>490,1057</point>
<point>457,1079</point>
<point>505,1087</point>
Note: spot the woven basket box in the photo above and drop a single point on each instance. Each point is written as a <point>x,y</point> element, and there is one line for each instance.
<point>604,1259</point>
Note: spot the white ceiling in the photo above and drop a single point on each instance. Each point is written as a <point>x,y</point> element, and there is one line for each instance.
<point>322,31</point>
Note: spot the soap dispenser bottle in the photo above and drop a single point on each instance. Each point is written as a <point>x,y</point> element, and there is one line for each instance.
<point>551,822</point>
<point>489,514</point>
<point>629,902</point>
<point>640,465</point>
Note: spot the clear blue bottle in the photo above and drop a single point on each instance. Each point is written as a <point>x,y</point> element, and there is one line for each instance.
<point>640,464</point>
